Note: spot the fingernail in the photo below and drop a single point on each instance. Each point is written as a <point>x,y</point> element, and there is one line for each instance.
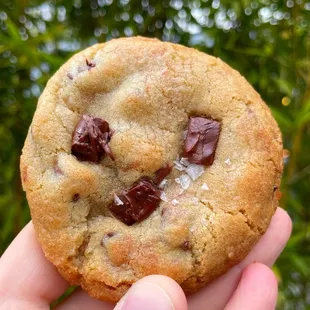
<point>143,296</point>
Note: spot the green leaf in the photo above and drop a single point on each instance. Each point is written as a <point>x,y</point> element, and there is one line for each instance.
<point>284,86</point>
<point>282,120</point>
<point>301,264</point>
<point>13,30</point>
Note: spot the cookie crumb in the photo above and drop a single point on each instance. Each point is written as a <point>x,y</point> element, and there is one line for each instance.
<point>191,229</point>
<point>204,222</point>
<point>205,187</point>
<point>195,201</point>
<point>230,255</point>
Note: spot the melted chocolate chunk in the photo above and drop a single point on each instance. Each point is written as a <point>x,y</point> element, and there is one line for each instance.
<point>139,202</point>
<point>75,197</point>
<point>90,64</point>
<point>161,173</point>
<point>90,139</point>
<point>201,140</point>
<point>186,246</point>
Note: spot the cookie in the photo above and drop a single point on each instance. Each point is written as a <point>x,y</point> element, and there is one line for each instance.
<point>146,157</point>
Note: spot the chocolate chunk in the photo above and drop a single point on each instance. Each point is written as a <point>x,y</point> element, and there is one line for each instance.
<point>110,234</point>
<point>75,197</point>
<point>163,211</point>
<point>56,168</point>
<point>186,246</point>
<point>201,140</point>
<point>90,64</point>
<point>161,173</point>
<point>90,139</point>
<point>138,202</point>
<point>275,188</point>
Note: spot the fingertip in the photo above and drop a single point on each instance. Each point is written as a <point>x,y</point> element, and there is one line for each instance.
<point>260,279</point>
<point>172,288</point>
<point>281,229</point>
<point>260,273</point>
<point>286,221</point>
<point>154,292</point>
<point>257,289</point>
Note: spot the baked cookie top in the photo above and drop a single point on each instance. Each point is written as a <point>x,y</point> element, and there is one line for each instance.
<point>136,117</point>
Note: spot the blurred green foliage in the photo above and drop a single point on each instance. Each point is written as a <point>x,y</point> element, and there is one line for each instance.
<point>268,41</point>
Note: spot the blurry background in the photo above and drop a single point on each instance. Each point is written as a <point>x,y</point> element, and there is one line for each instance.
<point>268,41</point>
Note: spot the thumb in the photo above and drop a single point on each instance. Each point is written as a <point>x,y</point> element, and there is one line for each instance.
<point>153,293</point>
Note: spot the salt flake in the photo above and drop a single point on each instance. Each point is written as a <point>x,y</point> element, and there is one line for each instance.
<point>163,184</point>
<point>163,196</point>
<point>184,161</point>
<point>178,165</point>
<point>227,161</point>
<point>194,171</point>
<point>117,201</point>
<point>175,202</point>
<point>184,180</point>
<point>205,187</point>
<point>185,134</point>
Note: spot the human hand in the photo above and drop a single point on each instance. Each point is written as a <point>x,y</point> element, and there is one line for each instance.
<point>29,281</point>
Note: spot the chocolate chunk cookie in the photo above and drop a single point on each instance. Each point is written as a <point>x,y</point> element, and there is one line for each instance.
<point>146,157</point>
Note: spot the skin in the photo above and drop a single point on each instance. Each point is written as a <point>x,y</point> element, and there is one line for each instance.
<point>29,281</point>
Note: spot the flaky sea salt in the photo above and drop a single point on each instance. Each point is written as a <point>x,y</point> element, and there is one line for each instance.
<point>194,171</point>
<point>175,202</point>
<point>227,161</point>
<point>117,201</point>
<point>163,184</point>
<point>178,165</point>
<point>205,187</point>
<point>184,134</point>
<point>184,161</point>
<point>184,180</point>
<point>163,196</point>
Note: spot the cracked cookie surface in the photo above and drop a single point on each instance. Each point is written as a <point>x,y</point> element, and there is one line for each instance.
<point>147,90</point>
